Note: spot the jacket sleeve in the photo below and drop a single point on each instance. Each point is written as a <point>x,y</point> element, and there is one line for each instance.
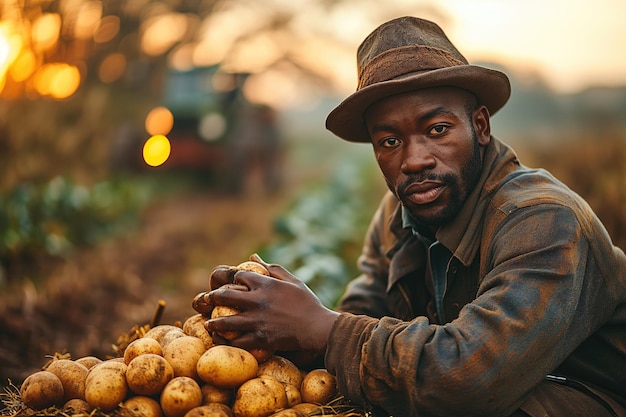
<point>534,306</point>
<point>366,293</point>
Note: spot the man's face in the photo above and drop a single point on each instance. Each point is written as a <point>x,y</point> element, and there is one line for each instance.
<point>428,144</point>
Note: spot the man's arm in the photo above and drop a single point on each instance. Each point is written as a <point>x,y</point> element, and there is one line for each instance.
<point>528,316</point>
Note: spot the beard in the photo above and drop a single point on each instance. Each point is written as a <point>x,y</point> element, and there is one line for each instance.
<point>459,188</point>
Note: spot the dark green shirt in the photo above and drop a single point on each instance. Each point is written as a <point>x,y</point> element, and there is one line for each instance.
<point>534,286</point>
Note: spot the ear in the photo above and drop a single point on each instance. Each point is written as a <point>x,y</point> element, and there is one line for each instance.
<point>482,125</point>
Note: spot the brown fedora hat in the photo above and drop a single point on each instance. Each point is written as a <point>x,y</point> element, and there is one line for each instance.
<point>408,54</point>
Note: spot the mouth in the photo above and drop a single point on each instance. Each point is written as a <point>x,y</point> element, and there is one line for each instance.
<point>424,192</point>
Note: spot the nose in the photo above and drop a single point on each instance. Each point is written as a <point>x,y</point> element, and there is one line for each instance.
<point>416,157</point>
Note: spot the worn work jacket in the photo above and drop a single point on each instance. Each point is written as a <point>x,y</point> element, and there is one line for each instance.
<point>534,286</point>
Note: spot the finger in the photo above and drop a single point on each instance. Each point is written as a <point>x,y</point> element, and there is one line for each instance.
<point>227,324</point>
<point>217,339</point>
<point>221,275</point>
<point>202,304</point>
<point>275,270</point>
<point>255,257</point>
<point>229,295</point>
<point>250,340</point>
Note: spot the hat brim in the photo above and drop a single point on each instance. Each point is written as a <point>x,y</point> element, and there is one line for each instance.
<point>491,87</point>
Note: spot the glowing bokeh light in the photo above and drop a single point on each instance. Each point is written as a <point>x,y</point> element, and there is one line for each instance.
<point>88,19</point>
<point>156,150</point>
<point>24,66</point>
<point>10,47</point>
<point>112,68</point>
<point>58,80</point>
<point>107,30</point>
<point>162,32</point>
<point>65,81</point>
<point>159,121</point>
<point>46,30</point>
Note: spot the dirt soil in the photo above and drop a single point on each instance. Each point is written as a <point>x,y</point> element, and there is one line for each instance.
<point>84,303</point>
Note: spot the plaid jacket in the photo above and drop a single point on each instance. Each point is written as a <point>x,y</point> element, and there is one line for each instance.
<point>534,287</point>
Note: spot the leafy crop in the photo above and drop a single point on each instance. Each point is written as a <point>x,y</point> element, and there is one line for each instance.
<point>50,219</point>
<point>320,237</point>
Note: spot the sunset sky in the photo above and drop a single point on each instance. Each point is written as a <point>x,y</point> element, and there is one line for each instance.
<point>572,43</point>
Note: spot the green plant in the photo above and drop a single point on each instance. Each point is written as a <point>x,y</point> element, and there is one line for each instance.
<point>50,219</point>
<point>320,236</point>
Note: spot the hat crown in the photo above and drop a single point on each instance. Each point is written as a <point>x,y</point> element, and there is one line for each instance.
<point>421,42</point>
<point>408,54</point>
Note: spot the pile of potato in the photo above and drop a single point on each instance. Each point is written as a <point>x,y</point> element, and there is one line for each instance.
<point>173,371</point>
<point>179,372</point>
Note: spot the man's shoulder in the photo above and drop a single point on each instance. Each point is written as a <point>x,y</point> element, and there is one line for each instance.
<point>531,186</point>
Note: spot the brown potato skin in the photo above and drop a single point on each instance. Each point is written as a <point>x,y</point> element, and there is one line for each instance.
<point>72,375</point>
<point>318,386</point>
<point>254,267</point>
<point>140,405</point>
<point>210,410</point>
<point>259,397</point>
<point>194,326</point>
<point>88,361</point>
<point>212,394</point>
<point>183,354</point>
<point>41,390</point>
<point>106,386</point>
<point>282,369</point>
<point>179,396</point>
<point>147,374</point>
<point>140,346</point>
<point>226,366</point>
<point>77,406</point>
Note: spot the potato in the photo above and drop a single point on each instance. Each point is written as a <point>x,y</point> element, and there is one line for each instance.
<point>170,336</point>
<point>41,389</point>
<point>261,355</point>
<point>183,354</point>
<point>259,397</point>
<point>293,395</point>
<point>179,396</point>
<point>72,375</point>
<point>140,405</point>
<point>76,406</point>
<point>157,332</point>
<point>307,408</point>
<point>226,366</point>
<point>212,394</point>
<point>140,346</point>
<point>282,369</point>
<point>224,311</point>
<point>114,364</point>
<point>88,361</point>
<point>105,386</point>
<point>289,412</point>
<point>194,326</point>
<point>318,387</point>
<point>147,374</point>
<point>254,267</point>
<point>210,410</point>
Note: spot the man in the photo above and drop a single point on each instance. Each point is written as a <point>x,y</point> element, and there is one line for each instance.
<point>487,288</point>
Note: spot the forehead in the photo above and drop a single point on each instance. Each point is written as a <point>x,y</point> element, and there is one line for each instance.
<point>450,98</point>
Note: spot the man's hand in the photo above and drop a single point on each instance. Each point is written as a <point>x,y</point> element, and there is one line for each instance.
<point>278,313</point>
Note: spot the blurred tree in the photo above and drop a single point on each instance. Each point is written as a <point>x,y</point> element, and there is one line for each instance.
<point>72,71</point>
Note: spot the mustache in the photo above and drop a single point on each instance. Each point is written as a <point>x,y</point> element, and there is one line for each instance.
<point>425,176</point>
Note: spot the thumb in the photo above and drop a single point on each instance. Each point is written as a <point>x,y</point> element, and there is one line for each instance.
<point>277,271</point>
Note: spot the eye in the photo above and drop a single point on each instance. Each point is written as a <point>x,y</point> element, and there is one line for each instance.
<point>389,142</point>
<point>438,130</point>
